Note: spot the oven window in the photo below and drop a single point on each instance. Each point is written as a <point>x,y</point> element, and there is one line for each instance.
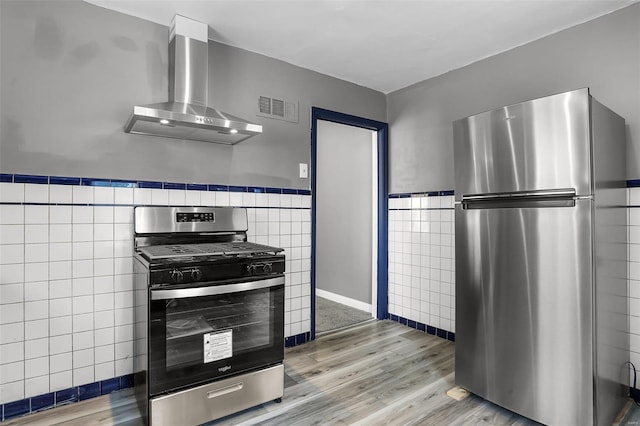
<point>207,329</point>
<point>202,338</point>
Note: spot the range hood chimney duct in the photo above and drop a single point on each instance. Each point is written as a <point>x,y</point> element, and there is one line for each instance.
<point>186,115</point>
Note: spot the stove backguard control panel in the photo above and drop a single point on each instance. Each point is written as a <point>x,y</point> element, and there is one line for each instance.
<point>195,217</point>
<point>153,220</point>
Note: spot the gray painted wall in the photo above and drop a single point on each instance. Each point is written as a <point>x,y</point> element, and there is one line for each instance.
<point>71,73</point>
<point>603,54</point>
<point>343,216</point>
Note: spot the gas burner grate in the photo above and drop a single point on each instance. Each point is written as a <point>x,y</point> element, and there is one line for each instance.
<point>206,249</point>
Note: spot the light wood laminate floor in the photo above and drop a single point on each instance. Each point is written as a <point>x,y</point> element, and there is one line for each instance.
<point>380,372</point>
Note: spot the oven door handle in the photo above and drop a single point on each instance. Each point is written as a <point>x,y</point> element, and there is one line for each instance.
<point>181,293</point>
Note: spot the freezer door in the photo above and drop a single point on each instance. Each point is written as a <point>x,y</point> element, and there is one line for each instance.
<point>539,144</point>
<point>524,309</point>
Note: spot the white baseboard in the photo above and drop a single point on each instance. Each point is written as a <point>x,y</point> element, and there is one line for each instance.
<point>344,300</point>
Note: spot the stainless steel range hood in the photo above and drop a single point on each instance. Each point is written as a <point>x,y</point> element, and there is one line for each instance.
<point>186,115</point>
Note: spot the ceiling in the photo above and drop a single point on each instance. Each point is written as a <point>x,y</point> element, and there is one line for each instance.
<point>381,44</point>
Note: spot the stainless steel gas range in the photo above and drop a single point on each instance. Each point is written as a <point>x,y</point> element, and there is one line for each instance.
<point>209,316</point>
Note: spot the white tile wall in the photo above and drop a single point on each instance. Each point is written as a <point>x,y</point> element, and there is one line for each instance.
<point>634,274</point>
<point>421,260</point>
<point>291,230</point>
<point>66,273</point>
<point>66,276</point>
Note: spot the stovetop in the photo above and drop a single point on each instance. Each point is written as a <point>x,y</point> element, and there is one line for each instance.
<point>193,245</point>
<point>209,250</point>
<point>209,262</point>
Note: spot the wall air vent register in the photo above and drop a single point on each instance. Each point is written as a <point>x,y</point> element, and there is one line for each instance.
<point>278,109</point>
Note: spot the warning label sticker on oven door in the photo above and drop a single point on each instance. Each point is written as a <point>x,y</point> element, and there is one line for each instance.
<point>218,345</point>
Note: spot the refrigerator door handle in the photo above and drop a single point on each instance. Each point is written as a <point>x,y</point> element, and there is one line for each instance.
<point>540,198</point>
<point>539,194</point>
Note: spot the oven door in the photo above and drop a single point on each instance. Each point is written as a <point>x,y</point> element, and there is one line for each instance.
<point>213,330</point>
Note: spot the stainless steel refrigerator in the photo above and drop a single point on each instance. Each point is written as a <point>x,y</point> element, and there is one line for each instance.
<point>541,278</point>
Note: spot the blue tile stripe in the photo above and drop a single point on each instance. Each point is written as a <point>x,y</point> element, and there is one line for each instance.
<point>30,179</point>
<point>444,334</point>
<point>150,185</point>
<point>174,185</point>
<point>218,188</point>
<point>89,391</point>
<point>238,189</point>
<point>422,194</point>
<point>262,207</point>
<point>61,180</point>
<point>25,406</point>
<point>298,339</point>
<point>16,409</point>
<point>120,183</point>
<point>42,402</point>
<point>196,187</point>
<point>66,396</point>
<point>90,181</point>
<point>85,181</point>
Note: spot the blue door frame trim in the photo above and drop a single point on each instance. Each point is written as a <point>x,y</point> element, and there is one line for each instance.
<point>382,308</point>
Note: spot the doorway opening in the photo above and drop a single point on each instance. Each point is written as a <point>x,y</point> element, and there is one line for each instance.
<point>349,219</point>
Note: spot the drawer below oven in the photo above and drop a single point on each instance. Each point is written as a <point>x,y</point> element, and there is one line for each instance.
<point>218,399</point>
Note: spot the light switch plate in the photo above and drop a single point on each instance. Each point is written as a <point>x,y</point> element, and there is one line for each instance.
<point>304,171</point>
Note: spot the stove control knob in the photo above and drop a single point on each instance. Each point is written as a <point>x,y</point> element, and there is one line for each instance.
<point>196,274</point>
<point>251,269</point>
<point>177,276</point>
<point>267,268</point>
